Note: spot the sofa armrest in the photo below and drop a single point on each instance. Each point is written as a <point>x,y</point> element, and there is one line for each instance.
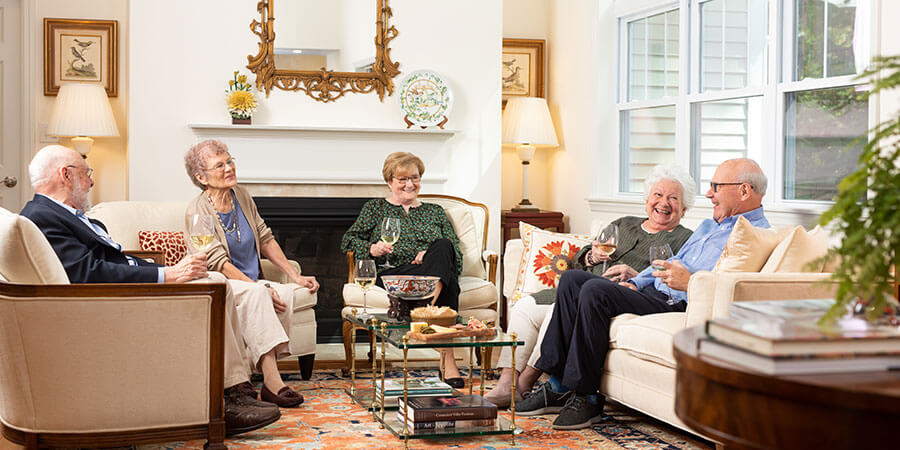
<point>709,294</point>
<point>512,257</point>
<point>273,273</point>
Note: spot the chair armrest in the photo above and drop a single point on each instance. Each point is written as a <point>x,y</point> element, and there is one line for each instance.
<point>273,273</point>
<point>709,294</point>
<point>492,259</point>
<point>350,268</point>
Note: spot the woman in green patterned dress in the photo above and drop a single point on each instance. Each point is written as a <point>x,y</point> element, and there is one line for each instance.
<point>427,246</point>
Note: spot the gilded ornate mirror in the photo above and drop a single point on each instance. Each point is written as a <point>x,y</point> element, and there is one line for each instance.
<point>324,48</point>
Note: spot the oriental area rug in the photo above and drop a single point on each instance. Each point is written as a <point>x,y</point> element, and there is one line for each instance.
<point>328,419</point>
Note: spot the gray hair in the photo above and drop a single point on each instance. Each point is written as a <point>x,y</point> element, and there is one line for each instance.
<point>47,160</point>
<point>195,158</point>
<point>753,175</point>
<point>678,175</point>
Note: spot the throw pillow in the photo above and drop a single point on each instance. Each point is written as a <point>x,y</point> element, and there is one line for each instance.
<point>469,242</point>
<point>545,257</point>
<point>748,247</point>
<point>797,250</point>
<point>171,243</point>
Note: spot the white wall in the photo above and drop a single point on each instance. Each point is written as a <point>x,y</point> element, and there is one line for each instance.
<point>179,77</point>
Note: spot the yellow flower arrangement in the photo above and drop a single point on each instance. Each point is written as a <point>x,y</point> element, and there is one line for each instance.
<point>241,102</point>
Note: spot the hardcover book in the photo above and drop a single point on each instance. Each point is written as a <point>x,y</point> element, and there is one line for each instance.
<point>447,424</point>
<point>449,407</point>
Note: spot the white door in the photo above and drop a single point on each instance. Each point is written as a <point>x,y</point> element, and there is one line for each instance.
<point>11,176</point>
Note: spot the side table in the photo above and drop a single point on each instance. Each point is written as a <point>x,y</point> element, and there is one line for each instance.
<point>509,220</point>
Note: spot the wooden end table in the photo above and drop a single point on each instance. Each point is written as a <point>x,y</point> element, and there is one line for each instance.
<point>509,220</point>
<point>745,409</point>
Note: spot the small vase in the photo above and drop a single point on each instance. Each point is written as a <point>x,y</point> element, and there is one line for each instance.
<point>240,121</point>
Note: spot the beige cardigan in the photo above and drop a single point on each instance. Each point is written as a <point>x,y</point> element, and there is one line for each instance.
<point>218,253</point>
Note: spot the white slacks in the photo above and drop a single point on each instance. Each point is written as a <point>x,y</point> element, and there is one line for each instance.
<point>529,321</point>
<point>262,328</point>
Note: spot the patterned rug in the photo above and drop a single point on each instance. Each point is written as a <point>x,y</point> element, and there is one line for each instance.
<point>328,419</point>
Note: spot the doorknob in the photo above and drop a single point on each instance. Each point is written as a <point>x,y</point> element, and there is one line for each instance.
<point>10,181</point>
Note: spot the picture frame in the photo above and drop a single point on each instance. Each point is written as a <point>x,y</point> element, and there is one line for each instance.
<point>81,50</point>
<point>523,68</point>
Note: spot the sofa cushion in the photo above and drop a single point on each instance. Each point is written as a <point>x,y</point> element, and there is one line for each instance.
<point>748,247</point>
<point>171,243</point>
<point>650,337</point>
<point>25,255</point>
<point>797,250</point>
<point>469,241</point>
<point>124,218</point>
<point>545,257</point>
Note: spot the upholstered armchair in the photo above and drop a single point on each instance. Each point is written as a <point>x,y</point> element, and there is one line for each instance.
<point>478,295</point>
<point>91,365</point>
<point>124,219</point>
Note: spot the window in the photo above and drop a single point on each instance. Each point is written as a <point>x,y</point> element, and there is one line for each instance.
<point>703,81</point>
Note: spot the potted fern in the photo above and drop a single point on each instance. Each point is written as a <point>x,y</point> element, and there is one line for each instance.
<point>866,212</point>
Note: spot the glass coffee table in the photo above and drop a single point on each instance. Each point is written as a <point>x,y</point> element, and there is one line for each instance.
<point>393,333</point>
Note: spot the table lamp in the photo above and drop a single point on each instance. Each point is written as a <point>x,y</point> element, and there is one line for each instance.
<point>82,110</point>
<point>526,123</point>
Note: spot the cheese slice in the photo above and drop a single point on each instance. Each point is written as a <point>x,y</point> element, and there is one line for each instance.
<point>440,329</point>
<point>417,326</point>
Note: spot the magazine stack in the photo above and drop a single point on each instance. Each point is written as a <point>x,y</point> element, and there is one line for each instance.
<point>418,387</point>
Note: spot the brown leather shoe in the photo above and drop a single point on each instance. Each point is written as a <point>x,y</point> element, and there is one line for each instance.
<point>242,415</point>
<point>286,398</point>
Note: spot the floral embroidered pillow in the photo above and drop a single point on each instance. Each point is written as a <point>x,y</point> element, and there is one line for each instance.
<point>545,257</point>
<point>171,243</point>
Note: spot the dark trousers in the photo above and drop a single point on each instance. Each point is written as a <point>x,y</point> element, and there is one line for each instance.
<point>439,261</point>
<point>577,338</point>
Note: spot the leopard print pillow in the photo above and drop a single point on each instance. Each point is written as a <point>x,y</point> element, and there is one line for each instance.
<point>169,242</point>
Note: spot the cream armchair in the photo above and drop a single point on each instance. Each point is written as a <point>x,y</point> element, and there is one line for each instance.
<point>640,366</point>
<point>123,220</point>
<point>92,365</point>
<point>478,295</point>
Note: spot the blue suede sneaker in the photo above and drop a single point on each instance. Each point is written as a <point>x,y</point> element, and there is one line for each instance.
<point>542,401</point>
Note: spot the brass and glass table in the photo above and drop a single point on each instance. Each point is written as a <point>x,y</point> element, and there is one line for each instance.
<point>366,397</point>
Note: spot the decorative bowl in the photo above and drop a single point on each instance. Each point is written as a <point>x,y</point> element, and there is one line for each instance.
<point>410,287</point>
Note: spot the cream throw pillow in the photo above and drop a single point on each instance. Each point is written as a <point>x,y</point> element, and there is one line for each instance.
<point>469,242</point>
<point>797,250</point>
<point>748,247</point>
<point>25,255</point>
<point>545,257</point>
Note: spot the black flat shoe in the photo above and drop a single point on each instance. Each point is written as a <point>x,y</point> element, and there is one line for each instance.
<point>455,382</point>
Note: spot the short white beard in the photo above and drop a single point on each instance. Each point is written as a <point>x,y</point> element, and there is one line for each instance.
<point>80,195</point>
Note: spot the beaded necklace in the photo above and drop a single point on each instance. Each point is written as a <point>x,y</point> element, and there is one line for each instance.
<point>235,230</point>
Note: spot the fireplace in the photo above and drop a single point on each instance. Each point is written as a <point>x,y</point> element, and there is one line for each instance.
<point>309,230</point>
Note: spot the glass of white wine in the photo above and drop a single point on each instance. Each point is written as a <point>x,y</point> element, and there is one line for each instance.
<point>364,277</point>
<point>200,231</point>
<point>606,242</point>
<point>390,234</point>
<point>661,252</point>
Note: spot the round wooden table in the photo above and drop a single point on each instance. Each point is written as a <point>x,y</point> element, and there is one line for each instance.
<point>741,408</point>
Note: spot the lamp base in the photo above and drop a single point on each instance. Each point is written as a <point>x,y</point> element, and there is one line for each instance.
<point>82,144</point>
<point>525,205</point>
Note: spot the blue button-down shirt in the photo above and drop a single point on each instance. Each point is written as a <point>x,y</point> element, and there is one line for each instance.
<point>701,251</point>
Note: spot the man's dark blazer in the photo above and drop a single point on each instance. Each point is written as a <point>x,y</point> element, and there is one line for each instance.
<point>86,257</point>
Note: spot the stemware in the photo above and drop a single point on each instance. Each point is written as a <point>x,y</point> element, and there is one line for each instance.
<point>200,231</point>
<point>606,241</point>
<point>661,252</point>
<point>390,234</point>
<point>364,277</point>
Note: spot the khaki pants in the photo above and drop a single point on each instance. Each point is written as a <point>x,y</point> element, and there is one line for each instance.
<point>236,369</point>
<point>261,327</point>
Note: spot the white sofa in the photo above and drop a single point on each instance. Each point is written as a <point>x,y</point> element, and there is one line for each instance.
<point>123,220</point>
<point>640,367</point>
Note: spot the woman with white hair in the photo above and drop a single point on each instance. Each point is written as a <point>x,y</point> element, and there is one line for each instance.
<point>669,192</point>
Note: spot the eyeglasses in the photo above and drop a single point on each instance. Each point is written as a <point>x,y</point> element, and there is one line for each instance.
<point>220,167</point>
<point>404,180</point>
<point>715,186</point>
<point>87,170</point>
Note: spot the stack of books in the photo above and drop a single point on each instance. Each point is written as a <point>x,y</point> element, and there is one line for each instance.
<point>393,389</point>
<point>783,338</point>
<point>449,411</point>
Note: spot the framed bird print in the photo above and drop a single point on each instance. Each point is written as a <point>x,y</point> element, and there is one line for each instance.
<point>81,51</point>
<point>523,68</point>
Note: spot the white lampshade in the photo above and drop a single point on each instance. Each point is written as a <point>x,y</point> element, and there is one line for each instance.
<point>526,120</point>
<point>82,110</point>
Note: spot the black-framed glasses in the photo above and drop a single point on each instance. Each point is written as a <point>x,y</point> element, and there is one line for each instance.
<point>221,166</point>
<point>715,186</point>
<point>404,180</point>
<point>87,170</point>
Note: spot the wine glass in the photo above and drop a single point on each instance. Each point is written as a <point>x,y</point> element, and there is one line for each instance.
<point>364,277</point>
<point>663,252</point>
<point>200,231</point>
<point>605,243</point>
<point>390,234</point>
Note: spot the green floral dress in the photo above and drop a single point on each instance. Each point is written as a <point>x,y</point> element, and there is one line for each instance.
<point>423,225</point>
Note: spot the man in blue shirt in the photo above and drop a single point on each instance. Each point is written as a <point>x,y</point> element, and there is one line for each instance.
<point>574,348</point>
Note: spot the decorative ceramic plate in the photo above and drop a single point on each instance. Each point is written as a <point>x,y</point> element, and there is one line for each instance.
<point>425,98</point>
